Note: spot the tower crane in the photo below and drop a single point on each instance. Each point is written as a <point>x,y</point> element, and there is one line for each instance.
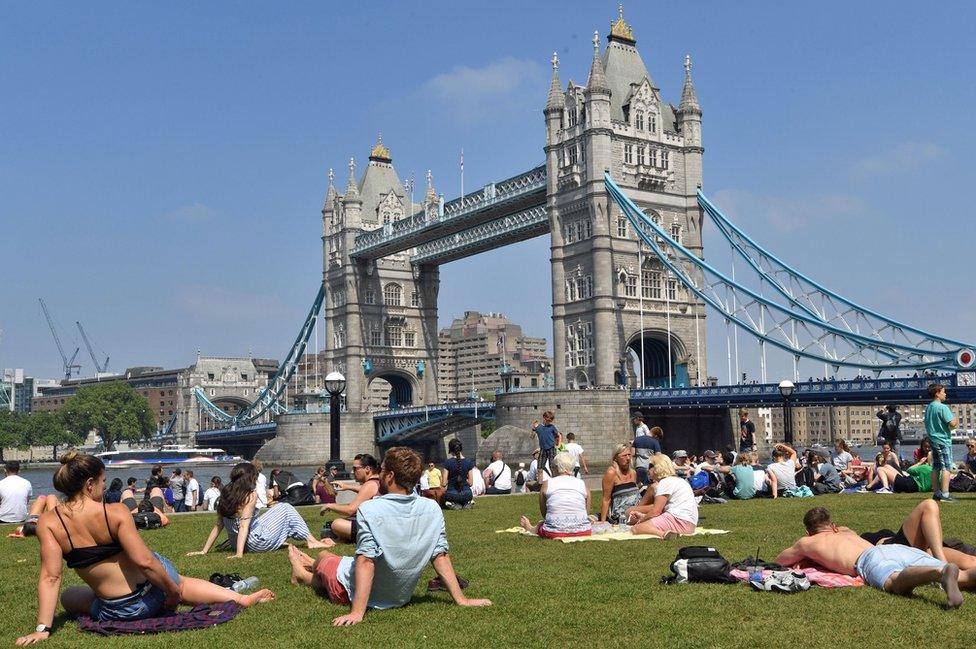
<point>70,367</point>
<point>99,368</point>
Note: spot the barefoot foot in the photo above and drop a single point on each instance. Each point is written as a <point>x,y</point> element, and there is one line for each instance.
<point>950,584</point>
<point>526,524</point>
<point>260,597</point>
<point>324,543</point>
<point>670,534</point>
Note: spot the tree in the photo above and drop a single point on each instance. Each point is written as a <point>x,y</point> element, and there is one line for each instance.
<point>11,430</point>
<point>113,410</point>
<point>48,429</point>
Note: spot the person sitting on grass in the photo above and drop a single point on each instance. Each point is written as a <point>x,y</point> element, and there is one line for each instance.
<point>365,470</point>
<point>782,472</point>
<point>915,479</point>
<point>668,508</point>
<point>891,458</point>
<point>968,464</point>
<point>399,532</point>
<point>922,529</point>
<point>255,533</point>
<point>38,507</point>
<point>923,452</point>
<point>890,568</point>
<point>564,502</point>
<point>741,473</point>
<point>458,477</point>
<point>826,479</point>
<point>620,491</point>
<point>125,579</point>
<point>129,495</point>
<point>498,476</point>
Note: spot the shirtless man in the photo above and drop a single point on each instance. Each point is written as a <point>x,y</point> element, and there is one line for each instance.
<point>892,568</point>
<point>365,469</point>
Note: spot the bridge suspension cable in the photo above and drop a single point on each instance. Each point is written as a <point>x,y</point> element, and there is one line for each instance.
<point>789,327</point>
<point>269,398</point>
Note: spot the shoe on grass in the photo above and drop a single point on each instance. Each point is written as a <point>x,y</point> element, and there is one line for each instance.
<point>450,505</point>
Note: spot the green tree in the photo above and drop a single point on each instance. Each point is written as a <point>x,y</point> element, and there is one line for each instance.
<point>113,410</point>
<point>11,430</point>
<point>48,429</point>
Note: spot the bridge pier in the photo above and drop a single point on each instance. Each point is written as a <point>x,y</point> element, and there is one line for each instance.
<point>303,438</point>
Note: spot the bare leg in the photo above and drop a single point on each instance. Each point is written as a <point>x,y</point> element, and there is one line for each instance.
<point>964,561</point>
<point>887,476</point>
<point>967,577</point>
<point>527,524</point>
<point>647,527</point>
<point>77,600</point>
<point>923,528</point>
<point>198,591</point>
<point>342,529</point>
<point>302,566</point>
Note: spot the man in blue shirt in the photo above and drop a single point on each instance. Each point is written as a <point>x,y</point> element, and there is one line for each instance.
<point>939,424</point>
<point>546,432</point>
<point>399,532</point>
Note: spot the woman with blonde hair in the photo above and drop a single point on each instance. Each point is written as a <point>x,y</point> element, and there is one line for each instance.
<point>620,490</point>
<point>564,502</point>
<point>668,508</point>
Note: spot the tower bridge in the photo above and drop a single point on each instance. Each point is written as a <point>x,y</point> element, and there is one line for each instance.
<point>619,195</point>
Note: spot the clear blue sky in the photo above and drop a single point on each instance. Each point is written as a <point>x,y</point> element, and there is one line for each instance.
<point>162,165</point>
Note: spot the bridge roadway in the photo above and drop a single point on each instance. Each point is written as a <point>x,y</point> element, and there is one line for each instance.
<point>425,423</point>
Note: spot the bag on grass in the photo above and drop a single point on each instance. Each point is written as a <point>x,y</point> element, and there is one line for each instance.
<point>699,564</point>
<point>299,494</point>
<point>147,520</point>
<point>962,483</point>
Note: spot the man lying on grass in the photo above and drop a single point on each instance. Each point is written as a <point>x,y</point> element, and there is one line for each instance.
<point>892,568</point>
<point>398,533</point>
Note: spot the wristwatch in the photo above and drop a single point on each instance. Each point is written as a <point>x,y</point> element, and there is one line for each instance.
<point>43,628</point>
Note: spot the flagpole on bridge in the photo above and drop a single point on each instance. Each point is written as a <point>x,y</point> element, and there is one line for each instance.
<point>462,172</point>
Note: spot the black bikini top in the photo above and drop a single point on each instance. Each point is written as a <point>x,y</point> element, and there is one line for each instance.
<point>89,556</point>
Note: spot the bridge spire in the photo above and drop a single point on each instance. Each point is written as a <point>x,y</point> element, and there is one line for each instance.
<point>689,99</point>
<point>352,189</point>
<point>330,195</point>
<point>431,195</point>
<point>555,100</point>
<point>620,30</point>
<point>598,79</point>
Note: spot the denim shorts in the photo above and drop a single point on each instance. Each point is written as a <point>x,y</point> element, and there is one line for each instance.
<point>941,459</point>
<point>877,564</point>
<point>145,601</point>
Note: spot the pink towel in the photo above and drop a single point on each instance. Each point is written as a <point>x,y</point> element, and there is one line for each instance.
<point>817,577</point>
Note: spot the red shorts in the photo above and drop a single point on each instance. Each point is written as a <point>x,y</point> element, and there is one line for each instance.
<point>328,585</point>
<point>549,534</point>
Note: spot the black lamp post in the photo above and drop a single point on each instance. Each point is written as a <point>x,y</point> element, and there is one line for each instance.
<point>335,383</point>
<point>786,388</point>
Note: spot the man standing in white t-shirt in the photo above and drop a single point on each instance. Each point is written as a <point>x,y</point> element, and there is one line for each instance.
<point>576,451</point>
<point>15,495</point>
<point>261,488</point>
<point>640,428</point>
<point>498,476</point>
<point>192,491</point>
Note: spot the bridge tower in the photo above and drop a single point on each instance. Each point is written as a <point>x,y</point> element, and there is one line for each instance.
<point>603,287</point>
<point>381,316</point>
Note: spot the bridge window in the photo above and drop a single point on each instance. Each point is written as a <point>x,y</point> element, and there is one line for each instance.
<point>415,299</point>
<point>630,286</point>
<point>621,226</point>
<point>571,154</point>
<point>572,117</point>
<point>639,120</point>
<point>676,232</point>
<point>653,157</point>
<point>664,159</point>
<point>394,335</point>
<point>410,339</point>
<point>570,290</point>
<point>392,294</point>
<point>651,286</point>
<point>210,377</point>
<point>369,297</point>
<point>672,289</point>
<point>375,338</point>
<point>629,154</point>
<point>652,123</point>
<point>642,155</point>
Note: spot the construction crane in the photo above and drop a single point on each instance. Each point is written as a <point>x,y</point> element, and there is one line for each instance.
<point>99,368</point>
<point>70,367</point>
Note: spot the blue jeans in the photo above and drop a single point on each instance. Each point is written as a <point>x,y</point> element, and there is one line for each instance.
<point>462,497</point>
<point>941,460</point>
<point>179,506</point>
<point>145,601</point>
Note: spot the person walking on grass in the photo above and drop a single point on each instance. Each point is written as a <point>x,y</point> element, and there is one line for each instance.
<point>192,490</point>
<point>578,455</point>
<point>178,484</point>
<point>124,579</point>
<point>547,433</point>
<point>939,424</point>
<point>399,533</point>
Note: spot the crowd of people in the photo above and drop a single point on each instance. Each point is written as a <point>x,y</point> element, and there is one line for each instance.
<point>394,518</point>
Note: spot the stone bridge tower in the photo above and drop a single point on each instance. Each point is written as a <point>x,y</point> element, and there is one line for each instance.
<point>603,286</point>
<point>381,317</point>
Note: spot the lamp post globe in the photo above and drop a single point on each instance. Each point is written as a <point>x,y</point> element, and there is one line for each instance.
<point>335,383</point>
<point>786,388</point>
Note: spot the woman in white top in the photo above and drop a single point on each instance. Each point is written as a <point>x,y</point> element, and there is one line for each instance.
<point>668,508</point>
<point>564,502</point>
<point>211,495</point>
<point>477,482</point>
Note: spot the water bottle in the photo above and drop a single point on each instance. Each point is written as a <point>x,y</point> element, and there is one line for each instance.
<point>244,585</point>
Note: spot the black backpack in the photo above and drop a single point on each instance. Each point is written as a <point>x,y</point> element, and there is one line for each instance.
<point>520,478</point>
<point>147,520</point>
<point>299,494</point>
<point>962,483</point>
<point>699,564</point>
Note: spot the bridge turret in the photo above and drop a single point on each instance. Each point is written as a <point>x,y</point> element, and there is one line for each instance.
<point>689,123</point>
<point>352,203</point>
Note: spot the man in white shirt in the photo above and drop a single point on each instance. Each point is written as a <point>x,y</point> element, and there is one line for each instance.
<point>498,476</point>
<point>261,488</point>
<point>192,491</point>
<point>640,428</point>
<point>15,495</point>
<point>576,451</point>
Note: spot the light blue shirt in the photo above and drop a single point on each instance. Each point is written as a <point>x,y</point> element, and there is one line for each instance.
<point>937,418</point>
<point>401,534</point>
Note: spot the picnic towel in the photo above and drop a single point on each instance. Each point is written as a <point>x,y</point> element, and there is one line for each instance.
<point>817,577</point>
<point>199,617</point>
<point>617,535</point>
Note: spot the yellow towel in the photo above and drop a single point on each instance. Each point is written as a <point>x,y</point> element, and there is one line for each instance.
<point>613,536</point>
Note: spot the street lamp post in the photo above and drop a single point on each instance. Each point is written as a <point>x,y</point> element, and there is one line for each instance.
<point>335,383</point>
<point>786,389</point>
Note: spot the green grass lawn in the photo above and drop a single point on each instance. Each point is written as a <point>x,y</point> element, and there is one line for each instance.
<point>549,594</point>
